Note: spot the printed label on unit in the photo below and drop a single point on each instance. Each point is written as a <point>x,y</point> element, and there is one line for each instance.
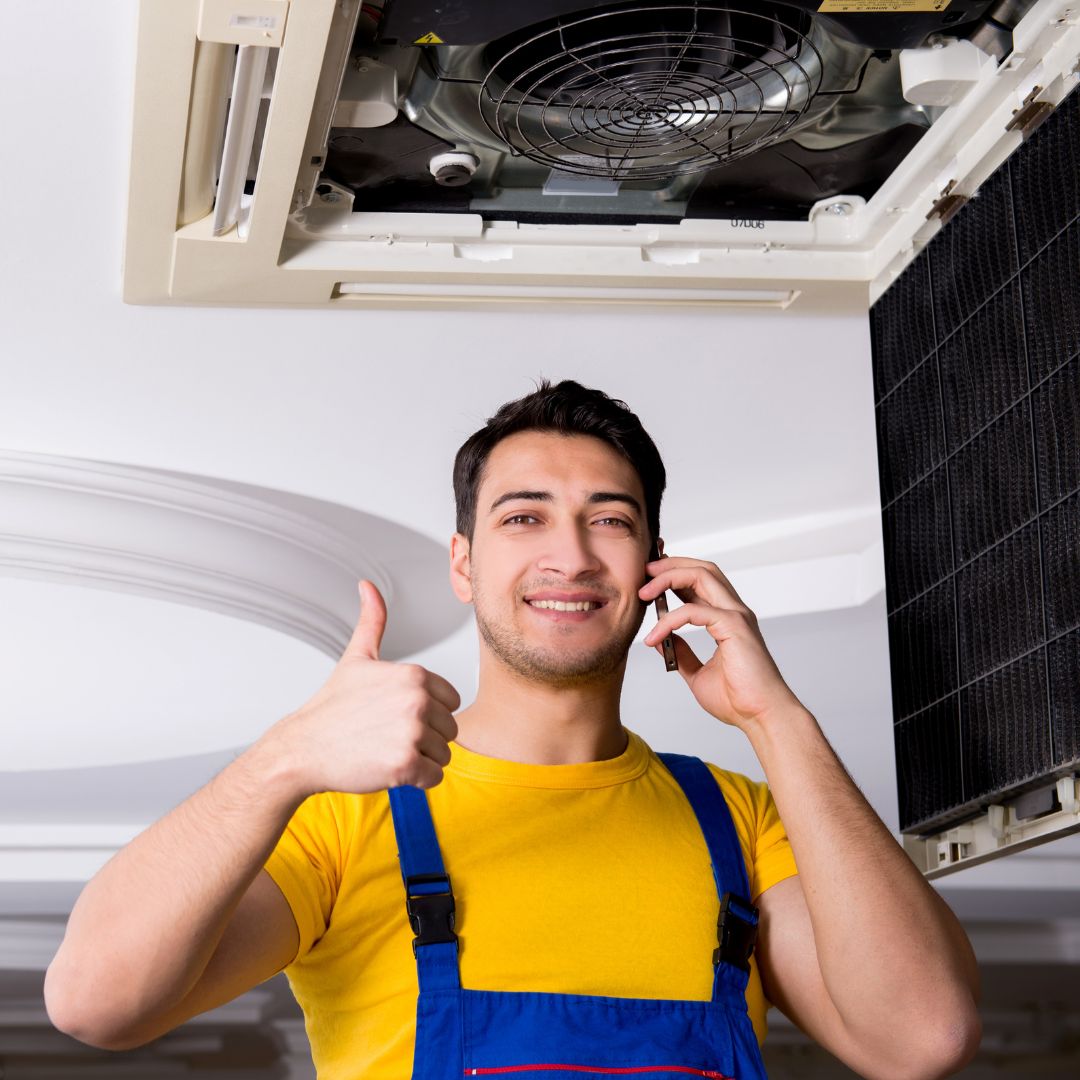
<point>429,39</point>
<point>254,22</point>
<point>561,183</point>
<point>880,7</point>
<point>747,223</point>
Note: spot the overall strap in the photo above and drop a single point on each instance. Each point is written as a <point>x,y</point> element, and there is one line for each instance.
<point>429,898</point>
<point>737,922</point>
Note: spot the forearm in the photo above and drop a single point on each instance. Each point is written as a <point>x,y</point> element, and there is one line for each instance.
<point>145,927</point>
<point>892,955</point>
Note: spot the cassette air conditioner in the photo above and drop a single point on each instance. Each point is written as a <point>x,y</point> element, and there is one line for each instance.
<point>404,153</point>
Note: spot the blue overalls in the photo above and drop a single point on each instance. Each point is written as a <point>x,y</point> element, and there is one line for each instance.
<point>549,1036</point>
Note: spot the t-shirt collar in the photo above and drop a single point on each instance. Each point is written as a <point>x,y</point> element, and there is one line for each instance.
<point>631,763</point>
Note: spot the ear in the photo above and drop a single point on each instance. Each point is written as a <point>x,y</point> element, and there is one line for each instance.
<point>660,546</point>
<point>460,568</point>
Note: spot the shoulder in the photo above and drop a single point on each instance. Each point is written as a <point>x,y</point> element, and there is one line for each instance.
<point>750,801</point>
<point>761,832</point>
<point>334,819</point>
<point>745,800</point>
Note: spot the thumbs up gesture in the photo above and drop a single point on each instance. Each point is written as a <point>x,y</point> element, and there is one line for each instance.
<point>374,724</point>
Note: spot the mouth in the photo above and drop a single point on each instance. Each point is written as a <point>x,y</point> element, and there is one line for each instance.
<point>568,610</point>
<point>566,605</point>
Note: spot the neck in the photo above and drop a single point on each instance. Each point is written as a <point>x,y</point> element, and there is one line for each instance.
<point>518,719</point>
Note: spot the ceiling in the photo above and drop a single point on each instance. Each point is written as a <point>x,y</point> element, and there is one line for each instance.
<point>149,635</point>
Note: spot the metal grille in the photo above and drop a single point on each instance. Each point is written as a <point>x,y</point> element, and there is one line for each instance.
<point>649,92</point>
<point>977,375</point>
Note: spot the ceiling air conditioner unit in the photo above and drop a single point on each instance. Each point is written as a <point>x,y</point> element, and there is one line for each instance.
<point>408,152</point>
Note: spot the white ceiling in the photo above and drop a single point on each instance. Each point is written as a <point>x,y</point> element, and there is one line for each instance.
<point>114,705</point>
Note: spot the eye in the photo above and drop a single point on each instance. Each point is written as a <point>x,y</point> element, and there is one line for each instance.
<point>517,519</point>
<point>614,521</point>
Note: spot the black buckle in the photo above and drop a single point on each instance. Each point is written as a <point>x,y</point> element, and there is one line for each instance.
<point>430,914</point>
<point>736,930</point>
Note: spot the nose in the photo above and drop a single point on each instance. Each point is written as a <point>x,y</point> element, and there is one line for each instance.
<point>569,553</point>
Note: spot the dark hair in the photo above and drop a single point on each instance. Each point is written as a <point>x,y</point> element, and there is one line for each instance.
<point>569,409</point>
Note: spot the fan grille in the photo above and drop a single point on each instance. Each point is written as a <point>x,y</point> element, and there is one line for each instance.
<point>649,92</point>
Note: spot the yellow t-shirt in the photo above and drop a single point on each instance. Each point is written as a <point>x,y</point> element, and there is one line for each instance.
<point>577,879</point>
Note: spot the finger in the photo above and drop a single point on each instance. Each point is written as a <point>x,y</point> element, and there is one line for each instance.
<point>434,747</point>
<point>442,691</point>
<point>688,614</point>
<point>425,773</point>
<point>367,637</point>
<point>701,581</point>
<point>676,572</point>
<point>688,583</point>
<point>713,619</point>
<point>441,720</point>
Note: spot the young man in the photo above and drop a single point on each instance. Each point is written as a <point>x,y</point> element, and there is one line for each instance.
<point>557,869</point>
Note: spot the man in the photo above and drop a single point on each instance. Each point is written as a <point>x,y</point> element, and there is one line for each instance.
<point>553,864</point>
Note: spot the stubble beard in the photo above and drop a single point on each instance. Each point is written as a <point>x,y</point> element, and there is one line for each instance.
<point>559,667</point>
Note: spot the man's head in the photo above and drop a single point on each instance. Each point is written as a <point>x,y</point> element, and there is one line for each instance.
<point>558,502</point>
<point>569,409</point>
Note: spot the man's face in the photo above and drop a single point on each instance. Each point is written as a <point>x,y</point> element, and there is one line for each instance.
<point>560,519</point>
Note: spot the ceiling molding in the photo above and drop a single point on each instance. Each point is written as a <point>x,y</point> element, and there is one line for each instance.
<point>58,853</point>
<point>141,531</point>
<point>251,1007</point>
<point>27,945</point>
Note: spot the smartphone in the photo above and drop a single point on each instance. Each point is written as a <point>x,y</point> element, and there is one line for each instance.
<point>668,644</point>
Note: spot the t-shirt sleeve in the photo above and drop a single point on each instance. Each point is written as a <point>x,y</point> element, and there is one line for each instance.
<point>306,866</point>
<point>764,840</point>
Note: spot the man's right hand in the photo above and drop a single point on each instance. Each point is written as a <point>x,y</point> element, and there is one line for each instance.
<point>375,724</point>
<point>141,955</point>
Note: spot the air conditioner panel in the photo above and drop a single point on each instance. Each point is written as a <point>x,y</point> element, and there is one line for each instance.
<point>293,237</point>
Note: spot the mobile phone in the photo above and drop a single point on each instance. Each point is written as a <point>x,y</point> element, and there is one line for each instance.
<point>668,644</point>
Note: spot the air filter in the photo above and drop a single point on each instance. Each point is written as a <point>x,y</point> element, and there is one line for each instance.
<point>976,354</point>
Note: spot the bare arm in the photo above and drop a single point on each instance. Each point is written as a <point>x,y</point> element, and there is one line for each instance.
<point>142,934</point>
<point>858,949</point>
<point>184,918</point>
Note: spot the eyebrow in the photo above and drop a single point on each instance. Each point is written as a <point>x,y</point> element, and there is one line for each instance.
<point>546,496</point>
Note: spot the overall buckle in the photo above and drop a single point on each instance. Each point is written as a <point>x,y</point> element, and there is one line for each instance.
<point>430,914</point>
<point>736,930</point>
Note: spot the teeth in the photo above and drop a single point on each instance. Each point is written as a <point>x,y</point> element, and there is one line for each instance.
<point>560,605</point>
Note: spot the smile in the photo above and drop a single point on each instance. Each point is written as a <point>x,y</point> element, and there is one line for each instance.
<point>565,605</point>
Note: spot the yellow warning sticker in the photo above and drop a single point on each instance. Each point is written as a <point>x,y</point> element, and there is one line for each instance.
<point>429,39</point>
<point>880,7</point>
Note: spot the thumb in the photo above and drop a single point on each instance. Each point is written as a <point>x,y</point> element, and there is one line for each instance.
<point>367,636</point>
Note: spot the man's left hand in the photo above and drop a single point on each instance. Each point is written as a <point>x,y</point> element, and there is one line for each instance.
<point>740,683</point>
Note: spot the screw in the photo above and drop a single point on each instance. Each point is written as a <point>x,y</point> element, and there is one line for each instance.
<point>840,209</point>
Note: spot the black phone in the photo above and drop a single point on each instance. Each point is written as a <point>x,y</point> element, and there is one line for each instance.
<point>668,644</point>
